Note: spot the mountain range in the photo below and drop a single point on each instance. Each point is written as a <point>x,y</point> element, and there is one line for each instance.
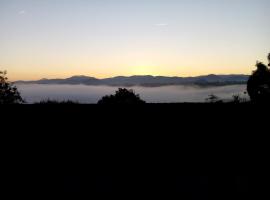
<point>147,81</point>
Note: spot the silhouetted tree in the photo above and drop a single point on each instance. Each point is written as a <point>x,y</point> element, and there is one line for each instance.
<point>122,96</point>
<point>269,59</point>
<point>258,85</point>
<point>9,93</point>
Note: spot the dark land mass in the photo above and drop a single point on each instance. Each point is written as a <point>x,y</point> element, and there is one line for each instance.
<point>168,151</point>
<point>147,81</point>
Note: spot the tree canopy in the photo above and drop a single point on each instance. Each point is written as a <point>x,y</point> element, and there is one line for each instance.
<point>122,96</point>
<point>258,85</point>
<point>9,93</point>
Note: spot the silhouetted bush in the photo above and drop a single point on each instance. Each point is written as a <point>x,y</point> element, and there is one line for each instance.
<point>52,102</point>
<point>258,85</point>
<point>213,99</point>
<point>238,99</point>
<point>122,96</point>
<point>9,93</point>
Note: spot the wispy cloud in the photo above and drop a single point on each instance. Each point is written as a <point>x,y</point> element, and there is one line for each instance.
<point>22,12</point>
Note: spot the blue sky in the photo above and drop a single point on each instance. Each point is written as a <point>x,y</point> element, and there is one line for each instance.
<point>59,38</point>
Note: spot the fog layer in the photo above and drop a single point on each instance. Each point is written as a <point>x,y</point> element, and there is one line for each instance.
<point>91,94</point>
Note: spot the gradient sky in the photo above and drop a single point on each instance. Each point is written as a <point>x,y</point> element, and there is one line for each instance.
<point>104,38</point>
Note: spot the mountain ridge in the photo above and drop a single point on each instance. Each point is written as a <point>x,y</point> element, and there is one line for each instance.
<point>146,80</point>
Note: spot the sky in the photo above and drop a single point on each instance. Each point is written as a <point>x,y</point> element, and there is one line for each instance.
<point>105,38</point>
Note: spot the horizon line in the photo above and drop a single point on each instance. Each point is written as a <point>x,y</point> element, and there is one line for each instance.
<point>126,76</point>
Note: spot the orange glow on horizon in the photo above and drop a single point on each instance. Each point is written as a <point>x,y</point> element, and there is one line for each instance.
<point>138,70</point>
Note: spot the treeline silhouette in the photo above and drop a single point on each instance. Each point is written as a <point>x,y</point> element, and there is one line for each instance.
<point>52,102</point>
<point>258,89</point>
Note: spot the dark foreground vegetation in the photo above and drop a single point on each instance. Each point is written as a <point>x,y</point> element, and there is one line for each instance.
<point>148,185</point>
<point>169,151</point>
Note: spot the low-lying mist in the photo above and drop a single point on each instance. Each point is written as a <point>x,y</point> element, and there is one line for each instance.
<point>91,94</point>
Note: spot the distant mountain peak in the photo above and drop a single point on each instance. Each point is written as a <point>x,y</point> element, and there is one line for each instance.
<point>212,75</point>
